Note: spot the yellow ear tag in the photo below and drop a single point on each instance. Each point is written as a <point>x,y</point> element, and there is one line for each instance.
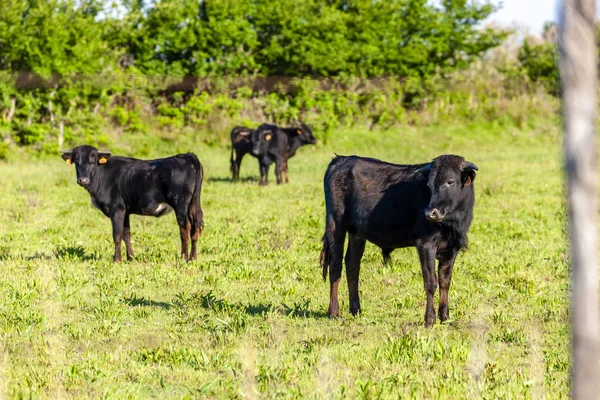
<point>468,181</point>
<point>102,160</point>
<point>299,132</point>
<point>268,137</point>
<point>68,161</point>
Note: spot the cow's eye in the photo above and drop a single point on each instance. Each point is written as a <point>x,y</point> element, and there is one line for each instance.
<point>451,182</point>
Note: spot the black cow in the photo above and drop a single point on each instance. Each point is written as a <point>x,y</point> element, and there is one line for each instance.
<point>241,143</point>
<point>428,206</point>
<point>121,186</point>
<point>272,144</point>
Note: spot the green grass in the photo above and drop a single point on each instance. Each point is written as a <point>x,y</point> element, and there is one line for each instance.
<point>248,319</point>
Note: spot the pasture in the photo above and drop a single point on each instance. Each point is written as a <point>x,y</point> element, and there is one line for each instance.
<point>248,318</point>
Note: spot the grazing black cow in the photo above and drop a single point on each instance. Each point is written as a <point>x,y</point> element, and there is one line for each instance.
<point>241,143</point>
<point>121,186</point>
<point>428,206</point>
<point>274,144</point>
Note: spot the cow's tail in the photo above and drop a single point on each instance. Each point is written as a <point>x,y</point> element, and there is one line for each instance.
<point>195,210</point>
<point>231,161</point>
<point>325,256</point>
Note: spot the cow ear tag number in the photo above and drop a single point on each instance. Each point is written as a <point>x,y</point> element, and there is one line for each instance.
<point>102,160</point>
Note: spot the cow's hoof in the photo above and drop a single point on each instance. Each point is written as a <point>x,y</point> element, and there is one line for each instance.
<point>443,314</point>
<point>333,313</point>
<point>429,321</point>
<point>355,311</point>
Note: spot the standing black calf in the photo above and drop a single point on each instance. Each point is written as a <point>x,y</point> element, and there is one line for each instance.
<point>121,186</point>
<point>241,144</point>
<point>272,144</point>
<point>428,206</point>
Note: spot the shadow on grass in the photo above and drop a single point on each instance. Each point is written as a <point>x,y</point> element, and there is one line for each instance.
<point>209,301</point>
<point>21,257</point>
<point>297,310</point>
<point>247,179</point>
<point>73,253</point>
<point>141,301</point>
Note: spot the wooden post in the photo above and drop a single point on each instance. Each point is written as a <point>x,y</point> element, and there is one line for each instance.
<point>579,69</point>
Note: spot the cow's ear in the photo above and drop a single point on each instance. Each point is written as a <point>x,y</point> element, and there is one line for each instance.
<point>67,156</point>
<point>424,170</point>
<point>103,157</point>
<point>468,173</point>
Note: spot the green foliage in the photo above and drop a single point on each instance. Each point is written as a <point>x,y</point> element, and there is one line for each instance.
<point>185,65</point>
<point>540,61</point>
<point>308,37</point>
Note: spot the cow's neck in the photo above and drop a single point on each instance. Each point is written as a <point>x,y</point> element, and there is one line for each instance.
<point>98,190</point>
<point>294,145</point>
<point>458,227</point>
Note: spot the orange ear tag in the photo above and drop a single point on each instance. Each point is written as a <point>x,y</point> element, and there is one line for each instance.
<point>268,137</point>
<point>299,132</point>
<point>68,161</point>
<point>102,160</point>
<point>468,181</point>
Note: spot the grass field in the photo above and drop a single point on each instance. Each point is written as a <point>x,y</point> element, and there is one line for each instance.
<point>248,319</point>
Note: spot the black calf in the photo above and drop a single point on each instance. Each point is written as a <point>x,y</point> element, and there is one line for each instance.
<point>121,186</point>
<point>428,206</point>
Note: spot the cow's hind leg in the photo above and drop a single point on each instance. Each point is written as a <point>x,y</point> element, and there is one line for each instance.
<point>445,266</point>
<point>184,231</point>
<point>127,238</point>
<point>236,164</point>
<point>356,248</point>
<point>333,247</point>
<point>196,217</point>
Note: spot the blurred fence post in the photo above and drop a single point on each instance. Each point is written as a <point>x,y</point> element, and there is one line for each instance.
<point>579,69</point>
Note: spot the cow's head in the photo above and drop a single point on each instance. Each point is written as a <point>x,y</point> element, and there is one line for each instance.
<point>262,139</point>
<point>86,160</point>
<point>450,180</point>
<point>305,135</point>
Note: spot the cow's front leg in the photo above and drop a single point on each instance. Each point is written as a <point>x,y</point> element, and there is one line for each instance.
<point>445,266</point>
<point>127,238</point>
<point>285,171</point>
<point>278,170</point>
<point>264,175</point>
<point>426,252</point>
<point>117,220</point>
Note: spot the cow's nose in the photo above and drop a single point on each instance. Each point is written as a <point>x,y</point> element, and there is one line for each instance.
<point>433,215</point>
<point>83,181</point>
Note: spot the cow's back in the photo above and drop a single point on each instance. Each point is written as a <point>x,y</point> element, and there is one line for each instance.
<point>379,201</point>
<point>147,184</point>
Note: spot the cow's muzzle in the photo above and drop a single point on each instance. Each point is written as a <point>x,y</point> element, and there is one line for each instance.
<point>434,214</point>
<point>83,181</point>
